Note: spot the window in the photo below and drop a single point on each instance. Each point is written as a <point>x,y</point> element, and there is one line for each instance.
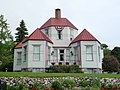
<point>89,52</point>
<point>59,34</point>
<point>36,52</point>
<point>71,34</point>
<point>55,54</point>
<point>47,32</point>
<point>19,58</point>
<point>25,53</point>
<point>48,53</point>
<point>99,53</point>
<point>75,54</point>
<point>61,55</point>
<point>67,54</point>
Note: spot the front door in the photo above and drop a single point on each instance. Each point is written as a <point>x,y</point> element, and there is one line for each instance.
<point>61,55</point>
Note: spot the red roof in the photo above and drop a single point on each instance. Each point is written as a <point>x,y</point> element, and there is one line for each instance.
<point>58,22</point>
<point>19,45</point>
<point>84,36</point>
<point>38,35</point>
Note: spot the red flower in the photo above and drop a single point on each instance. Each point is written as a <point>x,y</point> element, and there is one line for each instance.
<point>33,89</point>
<point>46,88</point>
<point>102,89</point>
<point>52,88</point>
<point>114,86</point>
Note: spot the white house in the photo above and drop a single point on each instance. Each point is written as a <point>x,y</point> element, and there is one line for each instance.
<point>54,43</point>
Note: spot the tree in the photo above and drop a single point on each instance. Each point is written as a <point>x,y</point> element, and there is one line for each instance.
<point>116,52</point>
<point>5,34</point>
<point>21,32</point>
<point>110,64</point>
<point>6,45</point>
<point>106,50</point>
<point>104,46</point>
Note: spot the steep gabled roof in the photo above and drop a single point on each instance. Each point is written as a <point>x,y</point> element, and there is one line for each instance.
<point>58,22</point>
<point>84,36</point>
<point>38,35</point>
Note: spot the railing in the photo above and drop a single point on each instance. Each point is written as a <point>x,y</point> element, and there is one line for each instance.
<point>52,62</point>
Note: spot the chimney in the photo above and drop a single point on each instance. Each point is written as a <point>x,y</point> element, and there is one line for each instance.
<point>57,13</point>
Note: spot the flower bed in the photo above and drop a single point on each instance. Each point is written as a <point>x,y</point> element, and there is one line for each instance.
<point>61,83</point>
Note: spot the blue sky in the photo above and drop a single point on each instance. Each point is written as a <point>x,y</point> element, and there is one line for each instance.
<point>99,17</point>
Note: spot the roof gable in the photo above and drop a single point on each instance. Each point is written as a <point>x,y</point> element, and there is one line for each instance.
<point>58,22</point>
<point>84,36</point>
<point>38,35</point>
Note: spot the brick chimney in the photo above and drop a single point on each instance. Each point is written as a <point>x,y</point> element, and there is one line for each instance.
<point>57,13</point>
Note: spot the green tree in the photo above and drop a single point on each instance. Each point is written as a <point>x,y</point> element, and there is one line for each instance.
<point>6,45</point>
<point>22,32</point>
<point>106,50</point>
<point>5,34</point>
<point>116,52</point>
<point>110,64</point>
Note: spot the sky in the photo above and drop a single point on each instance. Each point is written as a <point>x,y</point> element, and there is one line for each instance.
<point>100,17</point>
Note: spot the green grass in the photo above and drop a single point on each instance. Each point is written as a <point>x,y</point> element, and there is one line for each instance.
<point>41,75</point>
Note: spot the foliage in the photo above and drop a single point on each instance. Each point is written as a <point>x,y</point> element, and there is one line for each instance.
<point>5,34</point>
<point>104,46</point>
<point>95,82</point>
<point>6,45</point>
<point>65,69</point>
<point>21,32</point>
<point>116,52</point>
<point>38,86</point>
<point>68,83</point>
<point>110,64</point>
<point>84,83</point>
<point>57,85</point>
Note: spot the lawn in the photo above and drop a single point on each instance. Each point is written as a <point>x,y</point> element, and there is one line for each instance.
<point>40,75</point>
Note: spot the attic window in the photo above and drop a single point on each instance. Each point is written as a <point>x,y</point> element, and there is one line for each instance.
<point>59,34</point>
<point>47,32</point>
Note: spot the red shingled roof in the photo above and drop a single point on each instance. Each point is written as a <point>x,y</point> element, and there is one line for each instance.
<point>38,35</point>
<point>84,36</point>
<point>58,22</point>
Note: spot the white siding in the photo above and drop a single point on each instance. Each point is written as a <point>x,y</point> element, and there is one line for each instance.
<point>16,67</point>
<point>90,64</point>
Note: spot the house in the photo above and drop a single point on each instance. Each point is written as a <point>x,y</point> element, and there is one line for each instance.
<point>54,43</point>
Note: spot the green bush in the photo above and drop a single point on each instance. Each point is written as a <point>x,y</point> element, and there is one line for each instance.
<point>65,69</point>
<point>68,83</point>
<point>38,86</point>
<point>84,83</point>
<point>57,85</point>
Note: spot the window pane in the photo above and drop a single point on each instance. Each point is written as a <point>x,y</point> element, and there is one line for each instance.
<point>36,56</point>
<point>88,49</point>
<point>36,49</point>
<point>36,52</point>
<point>89,52</point>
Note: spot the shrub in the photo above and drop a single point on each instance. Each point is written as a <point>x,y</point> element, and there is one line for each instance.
<point>56,85</point>
<point>65,69</point>
<point>38,86</point>
<point>84,83</point>
<point>68,83</point>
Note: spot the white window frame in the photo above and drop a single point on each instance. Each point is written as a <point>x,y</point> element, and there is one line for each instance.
<point>75,54</point>
<point>36,53</point>
<point>49,53</point>
<point>67,54</point>
<point>19,58</point>
<point>55,54</point>
<point>25,53</point>
<point>89,53</point>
